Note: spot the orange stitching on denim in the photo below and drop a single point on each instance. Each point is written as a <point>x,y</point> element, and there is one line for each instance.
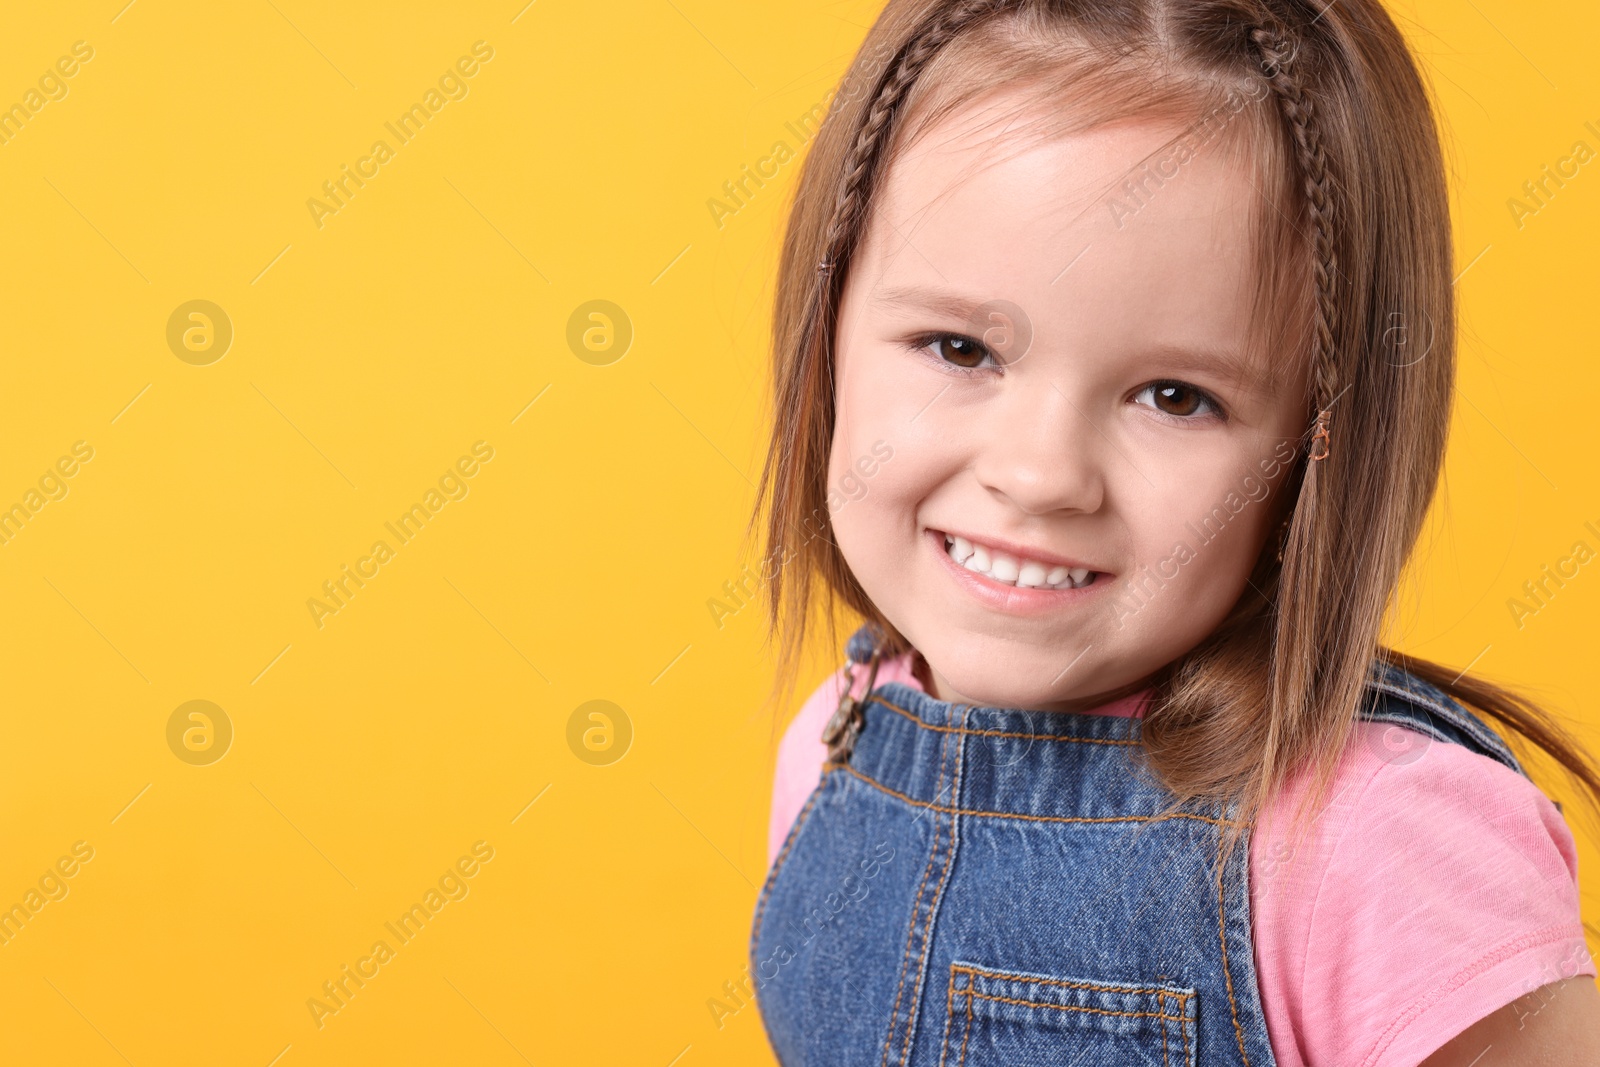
<point>949,1014</point>
<point>1183,1030</point>
<point>1222,938</point>
<point>1161,994</point>
<point>1074,1007</point>
<point>783,853</point>
<point>962,1061</point>
<point>1183,1035</point>
<point>911,928</point>
<point>1099,987</point>
<point>944,875</point>
<point>1017,815</point>
<point>1161,1002</point>
<point>998,733</point>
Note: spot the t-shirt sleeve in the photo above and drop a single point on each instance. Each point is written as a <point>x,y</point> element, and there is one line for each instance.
<point>801,754</point>
<point>1436,887</point>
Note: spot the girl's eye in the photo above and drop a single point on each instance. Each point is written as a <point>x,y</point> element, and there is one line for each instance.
<point>952,350</point>
<point>1178,400</point>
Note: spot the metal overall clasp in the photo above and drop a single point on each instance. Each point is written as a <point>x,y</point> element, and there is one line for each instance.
<point>850,716</point>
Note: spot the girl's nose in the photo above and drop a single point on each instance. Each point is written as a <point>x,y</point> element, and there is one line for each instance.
<point>1043,452</point>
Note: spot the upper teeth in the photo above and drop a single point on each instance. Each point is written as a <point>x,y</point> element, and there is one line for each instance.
<point>1013,570</point>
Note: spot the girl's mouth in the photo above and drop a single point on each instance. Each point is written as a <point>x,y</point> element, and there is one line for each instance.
<point>1013,570</point>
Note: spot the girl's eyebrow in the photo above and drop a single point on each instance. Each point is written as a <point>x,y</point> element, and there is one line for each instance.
<point>928,298</point>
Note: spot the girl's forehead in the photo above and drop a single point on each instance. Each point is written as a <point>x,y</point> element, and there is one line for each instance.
<point>1048,170</point>
<point>1109,205</point>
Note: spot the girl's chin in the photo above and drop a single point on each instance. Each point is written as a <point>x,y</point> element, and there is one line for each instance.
<point>1075,682</point>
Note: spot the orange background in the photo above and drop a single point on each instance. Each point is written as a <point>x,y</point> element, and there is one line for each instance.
<point>372,348</point>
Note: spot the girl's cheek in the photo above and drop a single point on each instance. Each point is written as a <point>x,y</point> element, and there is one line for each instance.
<point>888,437</point>
<point>1200,530</point>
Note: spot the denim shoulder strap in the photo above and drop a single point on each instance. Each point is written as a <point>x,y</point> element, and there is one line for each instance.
<point>1399,697</point>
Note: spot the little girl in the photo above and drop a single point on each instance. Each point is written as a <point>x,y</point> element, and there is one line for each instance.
<point>1099,310</point>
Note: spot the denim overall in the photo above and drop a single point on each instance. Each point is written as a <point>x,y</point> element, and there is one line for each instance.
<point>977,887</point>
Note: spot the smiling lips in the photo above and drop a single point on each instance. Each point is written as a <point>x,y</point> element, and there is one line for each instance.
<point>1009,569</point>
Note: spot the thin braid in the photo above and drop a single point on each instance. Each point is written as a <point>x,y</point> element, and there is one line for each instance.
<point>1297,108</point>
<point>1305,658</point>
<point>873,136</point>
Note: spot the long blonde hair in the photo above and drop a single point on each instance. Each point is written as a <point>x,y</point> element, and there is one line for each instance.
<point>1354,233</point>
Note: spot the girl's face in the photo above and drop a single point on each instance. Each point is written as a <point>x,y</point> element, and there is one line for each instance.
<point>1055,364</point>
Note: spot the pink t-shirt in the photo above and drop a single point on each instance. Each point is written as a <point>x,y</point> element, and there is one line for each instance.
<point>1434,887</point>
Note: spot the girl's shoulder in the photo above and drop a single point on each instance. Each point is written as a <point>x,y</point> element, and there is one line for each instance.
<point>1434,885</point>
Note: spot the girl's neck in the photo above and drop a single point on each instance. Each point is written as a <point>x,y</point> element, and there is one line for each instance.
<point>924,676</point>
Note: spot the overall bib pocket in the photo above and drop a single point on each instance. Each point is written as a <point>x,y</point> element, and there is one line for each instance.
<point>1001,1018</point>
